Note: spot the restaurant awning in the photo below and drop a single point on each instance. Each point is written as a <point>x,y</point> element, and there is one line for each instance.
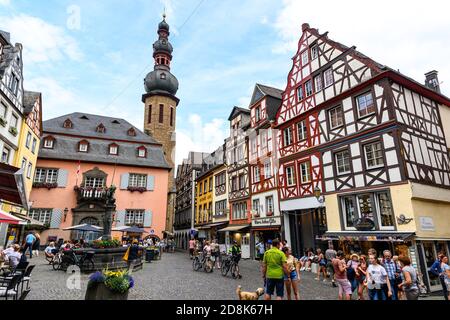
<point>209,226</point>
<point>128,229</point>
<point>367,236</point>
<point>30,221</point>
<point>234,228</point>
<point>12,186</point>
<point>10,219</point>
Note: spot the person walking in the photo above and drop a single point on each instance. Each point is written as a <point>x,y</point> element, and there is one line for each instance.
<point>29,240</point>
<point>291,280</point>
<point>340,274</point>
<point>361,274</point>
<point>330,254</point>
<point>377,280</point>
<point>133,254</point>
<point>352,266</point>
<point>410,284</point>
<point>215,251</point>
<point>446,274</point>
<point>436,269</point>
<point>393,271</point>
<point>36,244</point>
<point>261,250</point>
<point>274,269</point>
<point>236,255</point>
<point>322,266</point>
<point>191,248</point>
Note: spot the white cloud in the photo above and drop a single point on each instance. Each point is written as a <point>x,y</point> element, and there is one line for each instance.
<point>115,57</point>
<point>200,137</point>
<point>5,2</point>
<point>408,36</point>
<point>42,41</point>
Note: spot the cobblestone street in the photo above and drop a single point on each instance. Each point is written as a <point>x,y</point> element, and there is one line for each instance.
<point>171,278</point>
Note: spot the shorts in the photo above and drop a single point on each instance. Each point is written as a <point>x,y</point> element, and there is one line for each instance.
<point>191,251</point>
<point>260,256</point>
<point>447,283</point>
<point>345,287</point>
<point>292,276</point>
<point>272,284</point>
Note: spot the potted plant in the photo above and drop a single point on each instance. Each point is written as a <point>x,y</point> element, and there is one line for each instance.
<point>270,214</point>
<point>109,285</point>
<point>138,189</point>
<point>3,121</point>
<point>13,131</point>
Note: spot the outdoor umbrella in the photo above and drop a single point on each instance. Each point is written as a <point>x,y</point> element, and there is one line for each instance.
<point>85,228</point>
<point>129,230</point>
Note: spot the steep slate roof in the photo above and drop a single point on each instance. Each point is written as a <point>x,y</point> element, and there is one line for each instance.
<point>66,143</point>
<point>87,128</point>
<point>274,99</point>
<point>29,100</point>
<point>236,111</point>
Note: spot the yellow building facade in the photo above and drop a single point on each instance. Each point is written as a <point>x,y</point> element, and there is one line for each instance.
<point>204,200</point>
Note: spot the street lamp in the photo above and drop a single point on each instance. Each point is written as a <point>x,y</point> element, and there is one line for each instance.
<point>318,194</point>
<point>66,211</point>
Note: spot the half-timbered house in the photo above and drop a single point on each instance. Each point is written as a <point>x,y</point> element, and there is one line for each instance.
<point>238,180</point>
<point>368,144</point>
<point>266,218</point>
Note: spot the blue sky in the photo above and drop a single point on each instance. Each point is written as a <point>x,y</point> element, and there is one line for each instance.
<point>97,63</point>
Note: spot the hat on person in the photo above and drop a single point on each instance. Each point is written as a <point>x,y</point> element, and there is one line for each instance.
<point>269,242</point>
<point>354,255</point>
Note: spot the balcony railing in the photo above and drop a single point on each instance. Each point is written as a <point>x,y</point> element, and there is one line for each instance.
<point>91,193</point>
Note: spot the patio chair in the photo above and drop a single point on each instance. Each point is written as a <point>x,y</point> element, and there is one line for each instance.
<point>11,289</point>
<point>27,277</point>
<point>24,294</point>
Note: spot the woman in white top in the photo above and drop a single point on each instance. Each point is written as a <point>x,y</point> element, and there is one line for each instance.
<point>377,280</point>
<point>446,271</point>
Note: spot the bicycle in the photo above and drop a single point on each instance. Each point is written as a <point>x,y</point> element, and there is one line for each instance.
<point>208,265</point>
<point>56,261</point>
<point>85,263</point>
<point>229,264</point>
<point>197,262</point>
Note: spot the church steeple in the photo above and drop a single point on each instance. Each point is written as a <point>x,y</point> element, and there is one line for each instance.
<point>161,80</point>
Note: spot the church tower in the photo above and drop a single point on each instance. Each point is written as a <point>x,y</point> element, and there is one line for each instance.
<point>160,101</point>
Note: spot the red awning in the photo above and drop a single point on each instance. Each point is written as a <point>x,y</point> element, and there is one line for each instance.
<point>10,219</point>
<point>12,186</point>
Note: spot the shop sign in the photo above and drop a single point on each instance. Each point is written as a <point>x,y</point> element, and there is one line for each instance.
<point>426,224</point>
<point>364,224</point>
<point>269,221</point>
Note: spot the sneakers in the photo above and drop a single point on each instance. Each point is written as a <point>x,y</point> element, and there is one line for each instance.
<point>324,280</point>
<point>334,283</point>
<point>317,279</point>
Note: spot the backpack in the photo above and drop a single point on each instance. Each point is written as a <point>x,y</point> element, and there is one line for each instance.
<point>351,274</point>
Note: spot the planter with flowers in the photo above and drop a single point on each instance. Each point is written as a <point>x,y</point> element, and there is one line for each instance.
<point>46,185</point>
<point>269,214</point>
<point>109,285</point>
<point>3,121</point>
<point>137,189</point>
<point>13,131</point>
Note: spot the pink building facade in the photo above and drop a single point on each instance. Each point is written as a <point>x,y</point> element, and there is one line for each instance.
<point>84,155</point>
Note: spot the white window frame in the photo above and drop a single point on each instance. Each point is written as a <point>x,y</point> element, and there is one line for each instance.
<point>24,164</point>
<point>256,174</point>
<point>267,169</point>
<point>41,215</point>
<point>269,205</point>
<point>141,153</point>
<point>318,83</point>
<point>300,90</point>
<point>256,206</point>
<point>4,111</point>
<point>6,151</point>
<point>290,176</point>
<point>137,180</point>
<point>258,114</point>
<point>302,131</point>
<point>114,150</point>
<point>374,151</point>
<point>48,143</point>
<point>305,172</point>
<point>305,57</point>
<point>83,147</point>
<point>332,116</point>
<point>95,182</point>
<point>33,146</point>
<point>314,49</point>
<point>328,78</point>
<point>287,136</point>
<point>14,119</point>
<point>366,106</point>
<point>29,170</point>
<point>339,159</point>
<point>28,140</point>
<point>309,90</point>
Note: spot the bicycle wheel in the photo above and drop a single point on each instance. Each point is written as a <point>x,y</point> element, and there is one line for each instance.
<point>56,263</point>
<point>207,266</point>
<point>196,264</point>
<point>225,268</point>
<point>87,265</point>
<point>235,271</point>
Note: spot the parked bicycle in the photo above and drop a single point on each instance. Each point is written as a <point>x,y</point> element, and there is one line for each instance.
<point>230,265</point>
<point>85,262</point>
<point>202,261</point>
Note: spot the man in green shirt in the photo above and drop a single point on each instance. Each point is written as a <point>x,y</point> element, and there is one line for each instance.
<point>274,269</point>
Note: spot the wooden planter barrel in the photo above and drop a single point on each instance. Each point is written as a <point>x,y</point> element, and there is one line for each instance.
<point>98,291</point>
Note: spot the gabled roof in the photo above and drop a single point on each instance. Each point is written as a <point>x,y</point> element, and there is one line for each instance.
<point>236,111</point>
<point>85,125</point>
<point>263,90</point>
<point>5,37</point>
<point>274,99</point>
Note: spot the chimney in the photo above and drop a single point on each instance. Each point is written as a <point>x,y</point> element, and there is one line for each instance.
<point>432,81</point>
<point>305,27</point>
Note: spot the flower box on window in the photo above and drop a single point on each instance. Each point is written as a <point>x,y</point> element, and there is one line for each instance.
<point>13,131</point>
<point>45,185</point>
<point>269,214</point>
<point>3,122</point>
<point>137,189</point>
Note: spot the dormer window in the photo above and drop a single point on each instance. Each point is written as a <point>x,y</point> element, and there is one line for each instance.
<point>83,146</point>
<point>84,118</point>
<point>49,143</point>
<point>101,128</point>
<point>142,152</point>
<point>132,132</point>
<point>68,124</point>
<point>258,114</point>
<point>114,149</point>
<point>115,122</point>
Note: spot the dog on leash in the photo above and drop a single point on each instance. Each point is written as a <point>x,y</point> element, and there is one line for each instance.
<point>249,295</point>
